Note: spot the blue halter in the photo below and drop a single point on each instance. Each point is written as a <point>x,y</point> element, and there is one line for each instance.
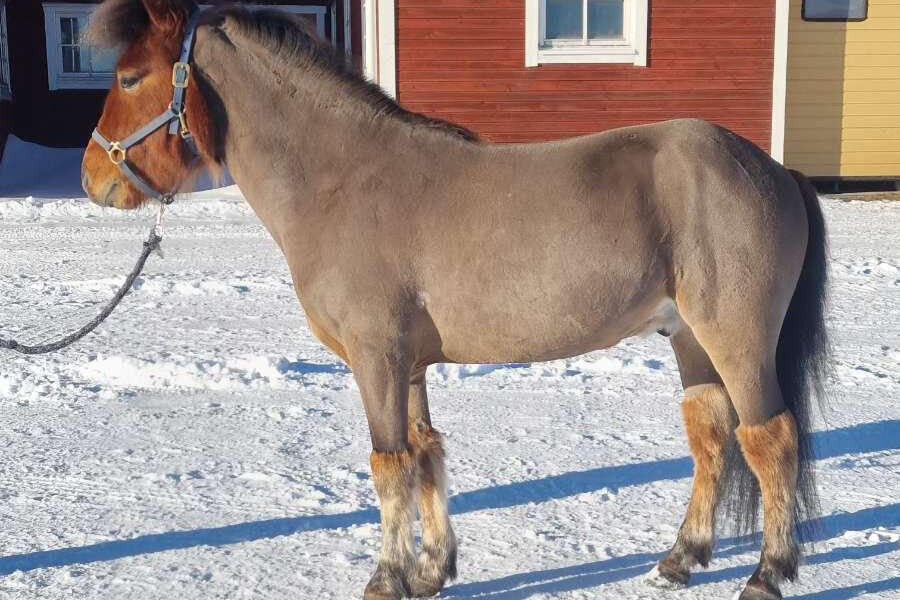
<point>173,117</point>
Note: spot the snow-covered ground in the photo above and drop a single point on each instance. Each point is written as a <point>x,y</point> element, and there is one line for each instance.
<point>202,444</point>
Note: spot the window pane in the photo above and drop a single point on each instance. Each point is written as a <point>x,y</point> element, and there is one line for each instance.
<point>71,59</point>
<point>564,19</point>
<point>103,61</point>
<point>69,30</point>
<point>834,9</point>
<point>605,19</point>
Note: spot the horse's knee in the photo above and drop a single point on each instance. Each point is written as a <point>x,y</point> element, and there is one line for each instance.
<point>428,448</point>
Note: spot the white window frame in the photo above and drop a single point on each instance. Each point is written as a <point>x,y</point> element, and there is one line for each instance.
<point>380,44</point>
<point>58,80</point>
<point>5,82</point>
<point>630,50</point>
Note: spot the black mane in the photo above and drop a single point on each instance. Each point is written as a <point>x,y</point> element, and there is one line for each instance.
<point>117,23</point>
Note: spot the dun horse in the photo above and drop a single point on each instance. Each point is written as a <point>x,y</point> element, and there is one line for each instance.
<point>412,243</point>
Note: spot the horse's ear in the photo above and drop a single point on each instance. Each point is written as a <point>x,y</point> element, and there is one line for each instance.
<point>166,15</point>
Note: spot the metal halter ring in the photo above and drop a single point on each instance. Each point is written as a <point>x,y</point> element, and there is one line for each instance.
<point>116,153</point>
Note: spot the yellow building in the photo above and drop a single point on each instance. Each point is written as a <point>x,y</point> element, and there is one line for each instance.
<point>841,88</point>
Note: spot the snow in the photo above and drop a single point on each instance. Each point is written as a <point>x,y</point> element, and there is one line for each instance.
<point>202,444</point>
<point>41,173</point>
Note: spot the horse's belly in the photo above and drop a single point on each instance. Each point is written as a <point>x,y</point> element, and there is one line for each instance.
<point>519,332</point>
<point>555,282</point>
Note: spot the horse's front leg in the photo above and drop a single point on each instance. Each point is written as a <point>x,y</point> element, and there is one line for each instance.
<point>437,561</point>
<point>382,374</point>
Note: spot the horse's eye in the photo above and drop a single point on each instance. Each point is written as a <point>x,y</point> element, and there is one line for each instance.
<point>129,82</point>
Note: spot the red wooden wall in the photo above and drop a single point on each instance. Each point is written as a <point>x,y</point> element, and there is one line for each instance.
<point>463,60</point>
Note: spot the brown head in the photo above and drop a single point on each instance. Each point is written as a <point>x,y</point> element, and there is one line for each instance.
<point>150,31</point>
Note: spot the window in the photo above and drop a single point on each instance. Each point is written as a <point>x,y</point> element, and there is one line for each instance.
<point>835,10</point>
<point>586,31</point>
<point>316,13</point>
<point>5,87</point>
<point>72,64</point>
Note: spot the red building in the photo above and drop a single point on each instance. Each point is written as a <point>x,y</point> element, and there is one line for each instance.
<point>523,70</point>
<point>512,70</point>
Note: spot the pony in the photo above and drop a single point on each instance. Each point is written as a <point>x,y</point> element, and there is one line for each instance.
<point>411,242</point>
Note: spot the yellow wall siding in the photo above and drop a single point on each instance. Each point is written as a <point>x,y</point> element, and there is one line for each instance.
<point>843,94</point>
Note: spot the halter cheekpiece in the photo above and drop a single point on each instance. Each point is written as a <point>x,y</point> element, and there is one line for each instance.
<point>173,117</point>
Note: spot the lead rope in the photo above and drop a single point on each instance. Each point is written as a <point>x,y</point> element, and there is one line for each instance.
<point>151,244</point>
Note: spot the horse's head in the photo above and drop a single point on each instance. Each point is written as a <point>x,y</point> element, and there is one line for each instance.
<point>150,31</point>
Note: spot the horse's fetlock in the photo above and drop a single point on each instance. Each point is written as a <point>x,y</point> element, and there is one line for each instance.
<point>450,563</point>
<point>759,592</point>
<point>435,566</point>
<point>762,585</point>
<point>783,566</point>
<point>700,550</point>
<point>674,572</point>
<point>389,582</point>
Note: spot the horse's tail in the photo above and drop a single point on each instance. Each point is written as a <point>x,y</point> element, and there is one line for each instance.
<point>803,358</point>
<point>803,362</point>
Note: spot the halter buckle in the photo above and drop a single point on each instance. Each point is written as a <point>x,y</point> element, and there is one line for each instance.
<point>181,74</point>
<point>116,153</point>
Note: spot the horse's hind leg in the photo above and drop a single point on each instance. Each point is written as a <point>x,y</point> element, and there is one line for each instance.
<point>770,449</point>
<point>709,421</point>
<point>437,561</point>
<point>768,438</point>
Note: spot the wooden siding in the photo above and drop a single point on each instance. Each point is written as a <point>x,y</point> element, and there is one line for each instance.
<point>843,94</point>
<point>464,60</point>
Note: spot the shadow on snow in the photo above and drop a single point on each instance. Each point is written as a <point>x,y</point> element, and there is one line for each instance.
<point>593,574</point>
<point>867,437</point>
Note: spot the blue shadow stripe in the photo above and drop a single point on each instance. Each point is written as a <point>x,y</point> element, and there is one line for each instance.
<point>868,437</point>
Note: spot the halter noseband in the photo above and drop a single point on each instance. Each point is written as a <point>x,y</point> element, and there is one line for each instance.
<point>173,117</point>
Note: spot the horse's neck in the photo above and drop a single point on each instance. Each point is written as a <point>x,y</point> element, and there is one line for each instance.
<point>290,143</point>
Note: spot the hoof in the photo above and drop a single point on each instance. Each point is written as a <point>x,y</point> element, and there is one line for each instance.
<point>667,579</point>
<point>373,594</point>
<point>420,588</point>
<point>760,591</point>
<point>386,584</point>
